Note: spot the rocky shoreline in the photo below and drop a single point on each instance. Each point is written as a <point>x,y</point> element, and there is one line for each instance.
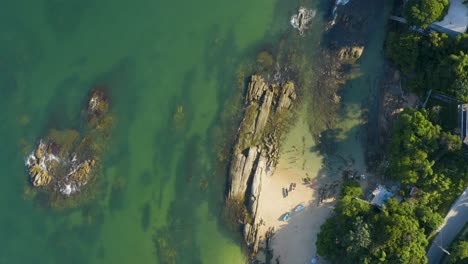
<point>256,150</point>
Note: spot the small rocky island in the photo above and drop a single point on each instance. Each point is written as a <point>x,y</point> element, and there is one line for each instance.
<point>267,109</point>
<point>63,162</point>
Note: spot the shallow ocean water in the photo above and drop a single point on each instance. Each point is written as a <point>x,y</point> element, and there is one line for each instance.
<point>157,183</point>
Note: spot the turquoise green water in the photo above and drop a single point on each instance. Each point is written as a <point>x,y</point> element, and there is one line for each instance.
<point>153,56</point>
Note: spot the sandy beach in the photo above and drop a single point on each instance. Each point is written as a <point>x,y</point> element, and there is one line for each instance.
<point>294,240</point>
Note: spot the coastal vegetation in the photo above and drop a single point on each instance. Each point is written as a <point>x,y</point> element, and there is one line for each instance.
<point>423,154</point>
<point>459,252</point>
<point>420,155</point>
<point>433,61</point>
<point>364,234</point>
<point>421,13</point>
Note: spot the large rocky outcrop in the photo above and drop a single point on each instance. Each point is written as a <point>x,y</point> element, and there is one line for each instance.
<point>256,149</point>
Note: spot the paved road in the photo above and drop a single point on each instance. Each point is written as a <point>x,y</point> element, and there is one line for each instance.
<point>454,222</point>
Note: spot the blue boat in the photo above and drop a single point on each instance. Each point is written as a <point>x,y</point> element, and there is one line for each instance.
<point>299,208</point>
<point>286,216</point>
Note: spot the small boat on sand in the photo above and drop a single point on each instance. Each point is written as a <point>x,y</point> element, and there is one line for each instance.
<point>286,216</point>
<point>299,208</point>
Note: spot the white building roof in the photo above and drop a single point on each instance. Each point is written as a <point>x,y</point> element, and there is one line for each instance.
<point>456,18</point>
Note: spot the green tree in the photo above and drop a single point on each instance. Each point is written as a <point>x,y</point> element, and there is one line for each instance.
<point>414,139</point>
<point>358,238</point>
<point>460,88</point>
<point>400,236</point>
<point>403,50</point>
<point>453,72</point>
<point>348,206</point>
<point>422,13</point>
<point>459,253</point>
<point>429,219</point>
<point>327,240</point>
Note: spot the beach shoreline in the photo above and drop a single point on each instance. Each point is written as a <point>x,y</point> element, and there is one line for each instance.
<point>293,240</point>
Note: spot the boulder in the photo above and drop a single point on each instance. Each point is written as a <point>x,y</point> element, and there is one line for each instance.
<point>260,173</point>
<point>241,168</point>
<point>302,20</point>
<point>40,150</point>
<point>256,88</point>
<point>287,95</point>
<point>350,54</point>
<point>81,174</point>
<point>98,103</point>
<point>265,59</point>
<point>39,176</point>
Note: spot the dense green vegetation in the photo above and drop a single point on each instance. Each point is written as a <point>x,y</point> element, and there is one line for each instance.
<point>423,152</point>
<point>359,233</point>
<point>420,154</point>
<point>435,61</point>
<point>459,253</point>
<point>422,13</point>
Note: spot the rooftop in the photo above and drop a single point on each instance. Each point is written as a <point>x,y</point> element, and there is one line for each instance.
<point>380,195</point>
<point>456,18</point>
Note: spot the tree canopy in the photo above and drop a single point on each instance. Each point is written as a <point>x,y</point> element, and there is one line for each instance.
<point>435,61</point>
<point>414,143</point>
<point>364,235</point>
<point>420,154</point>
<point>459,253</point>
<point>422,13</point>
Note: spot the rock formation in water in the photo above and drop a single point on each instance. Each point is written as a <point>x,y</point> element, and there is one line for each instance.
<point>62,163</point>
<point>302,20</point>
<point>350,54</point>
<point>256,150</point>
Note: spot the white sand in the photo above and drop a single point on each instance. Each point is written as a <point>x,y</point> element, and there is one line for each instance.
<point>294,240</point>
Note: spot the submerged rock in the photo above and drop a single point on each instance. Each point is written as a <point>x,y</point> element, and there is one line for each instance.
<point>97,103</point>
<point>178,118</point>
<point>265,59</point>
<point>39,163</point>
<point>97,111</point>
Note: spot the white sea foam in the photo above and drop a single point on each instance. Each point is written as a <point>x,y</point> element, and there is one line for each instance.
<point>30,160</point>
<point>301,20</point>
<point>342,2</point>
<point>43,165</point>
<point>93,103</point>
<point>52,157</point>
<point>68,189</point>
